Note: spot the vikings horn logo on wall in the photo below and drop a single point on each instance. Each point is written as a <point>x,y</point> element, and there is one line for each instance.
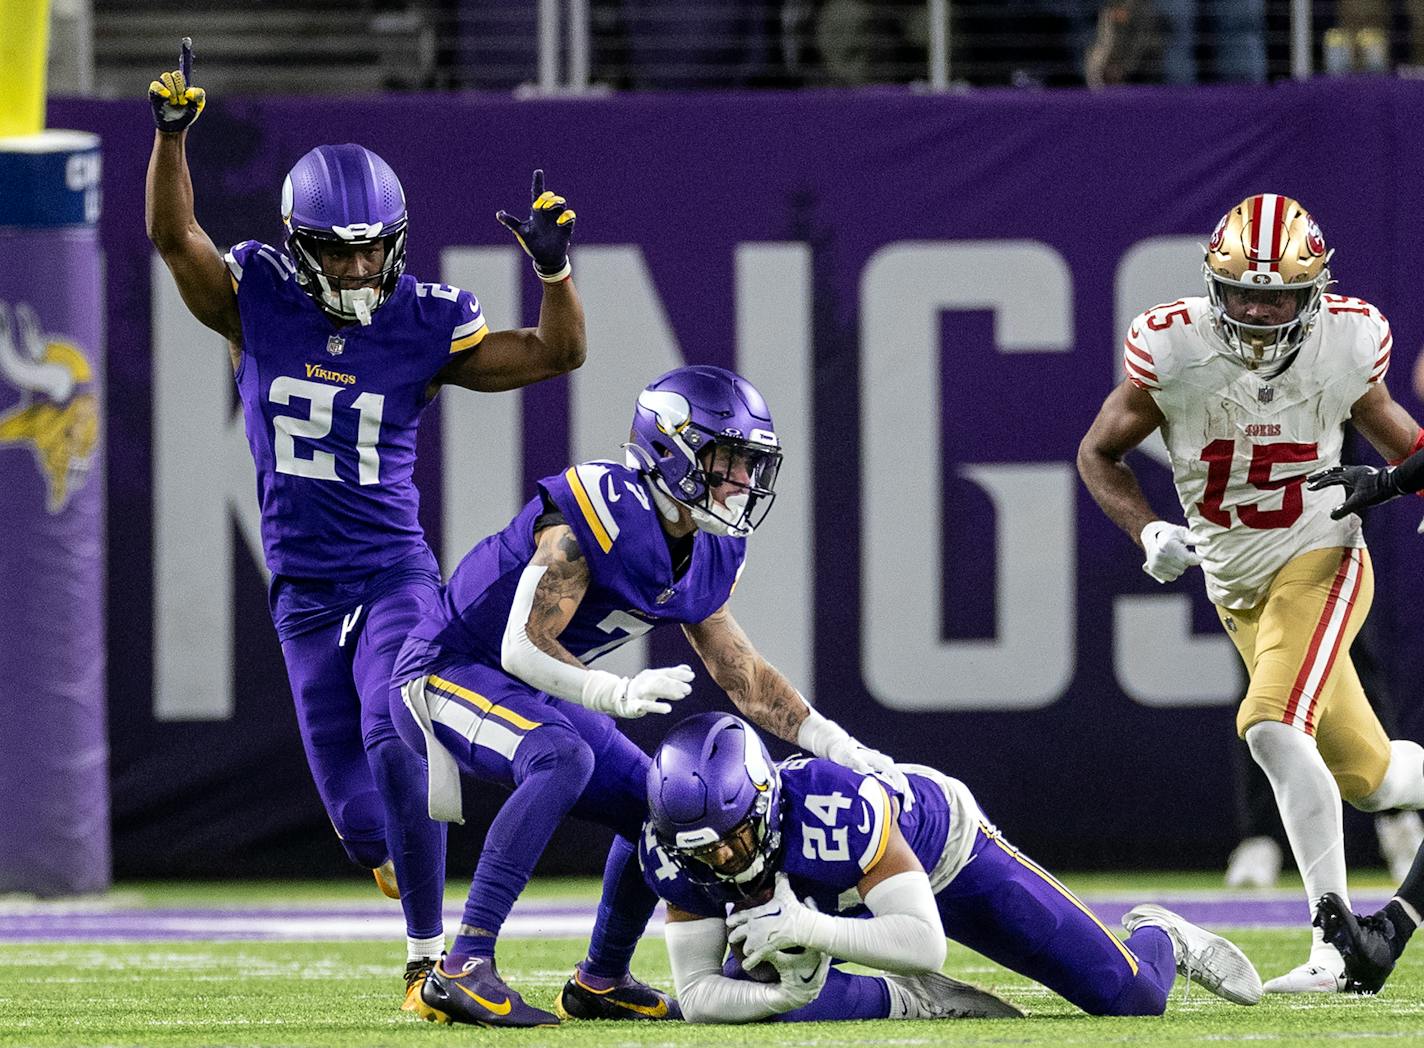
<point>56,420</point>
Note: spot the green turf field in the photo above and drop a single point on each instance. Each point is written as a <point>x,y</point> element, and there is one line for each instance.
<point>191,993</point>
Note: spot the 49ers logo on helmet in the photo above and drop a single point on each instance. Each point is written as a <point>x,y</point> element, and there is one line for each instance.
<point>1314,239</point>
<point>1214,244</point>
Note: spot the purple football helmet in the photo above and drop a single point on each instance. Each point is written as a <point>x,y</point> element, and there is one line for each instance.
<point>714,801</point>
<point>701,428</point>
<point>344,196</point>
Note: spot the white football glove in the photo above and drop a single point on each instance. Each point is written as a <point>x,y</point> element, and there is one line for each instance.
<point>779,924</point>
<point>825,738</point>
<point>859,757</point>
<point>651,691</point>
<point>802,974</point>
<point>1166,546</point>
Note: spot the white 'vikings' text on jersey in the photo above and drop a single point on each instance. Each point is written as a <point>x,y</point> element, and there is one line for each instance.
<point>1241,445</point>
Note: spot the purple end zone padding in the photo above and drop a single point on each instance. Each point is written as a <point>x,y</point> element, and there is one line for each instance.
<point>54,817</point>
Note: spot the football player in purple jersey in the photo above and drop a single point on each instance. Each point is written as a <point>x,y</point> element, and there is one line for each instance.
<point>497,684</point>
<point>336,351</point>
<point>882,884</point>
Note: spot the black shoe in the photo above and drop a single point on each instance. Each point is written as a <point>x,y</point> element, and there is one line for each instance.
<point>475,994</point>
<point>630,999</point>
<point>1366,943</point>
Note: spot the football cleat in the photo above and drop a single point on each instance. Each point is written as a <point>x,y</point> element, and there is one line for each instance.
<point>630,999</point>
<point>385,875</point>
<point>1366,943</point>
<point>1214,962</point>
<point>1310,977</point>
<point>416,973</point>
<point>936,996</point>
<point>478,996</point>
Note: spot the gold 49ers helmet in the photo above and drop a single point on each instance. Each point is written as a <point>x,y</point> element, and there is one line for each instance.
<point>1266,270</point>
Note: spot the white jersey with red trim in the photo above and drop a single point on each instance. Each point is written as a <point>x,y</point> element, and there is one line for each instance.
<point>1241,446</point>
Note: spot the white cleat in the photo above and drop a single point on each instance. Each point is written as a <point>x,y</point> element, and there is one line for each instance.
<point>1254,863</point>
<point>1400,835</point>
<point>1309,978</point>
<point>1214,962</point>
<point>936,996</point>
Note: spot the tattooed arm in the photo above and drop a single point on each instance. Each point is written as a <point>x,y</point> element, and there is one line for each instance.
<point>768,700</point>
<point>548,595</point>
<point>559,591</point>
<point>755,686</point>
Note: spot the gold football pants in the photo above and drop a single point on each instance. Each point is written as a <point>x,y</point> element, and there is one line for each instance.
<point>1296,645</point>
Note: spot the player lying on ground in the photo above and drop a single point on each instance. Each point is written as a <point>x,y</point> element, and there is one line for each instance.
<point>883,887</point>
<point>495,680</point>
<point>336,351</point>
<point>1251,386</point>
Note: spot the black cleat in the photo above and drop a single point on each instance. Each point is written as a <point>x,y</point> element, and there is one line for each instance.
<point>630,999</point>
<point>478,996</point>
<point>1366,943</point>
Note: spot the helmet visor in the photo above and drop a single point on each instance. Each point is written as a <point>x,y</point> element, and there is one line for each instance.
<point>1263,307</point>
<point>732,854</point>
<point>740,480</point>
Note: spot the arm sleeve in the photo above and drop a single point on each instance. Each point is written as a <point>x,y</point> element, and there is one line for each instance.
<point>904,936</point>
<point>526,660</point>
<point>695,950</point>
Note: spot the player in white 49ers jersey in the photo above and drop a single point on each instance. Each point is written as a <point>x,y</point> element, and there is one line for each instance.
<point>1250,386</point>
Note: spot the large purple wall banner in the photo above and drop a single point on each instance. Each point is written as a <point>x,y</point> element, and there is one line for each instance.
<point>931,291</point>
<point>54,777</point>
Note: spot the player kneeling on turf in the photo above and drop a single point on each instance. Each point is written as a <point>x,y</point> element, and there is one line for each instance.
<point>882,886</point>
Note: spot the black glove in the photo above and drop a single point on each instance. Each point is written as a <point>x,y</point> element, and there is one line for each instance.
<point>175,103</point>
<point>1364,486</point>
<point>545,234</point>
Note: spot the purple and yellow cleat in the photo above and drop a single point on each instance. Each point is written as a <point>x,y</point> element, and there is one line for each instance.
<point>627,999</point>
<point>475,994</point>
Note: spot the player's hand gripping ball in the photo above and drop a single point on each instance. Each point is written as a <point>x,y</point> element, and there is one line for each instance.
<point>176,103</point>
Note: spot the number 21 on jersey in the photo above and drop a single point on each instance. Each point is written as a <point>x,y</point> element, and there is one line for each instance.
<point>321,465</point>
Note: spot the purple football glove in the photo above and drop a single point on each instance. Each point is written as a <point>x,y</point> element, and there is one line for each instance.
<point>545,234</point>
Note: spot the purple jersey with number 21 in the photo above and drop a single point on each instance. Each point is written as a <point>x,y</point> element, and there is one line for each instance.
<point>339,406</point>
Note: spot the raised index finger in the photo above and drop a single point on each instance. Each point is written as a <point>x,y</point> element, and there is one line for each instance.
<point>537,190</point>
<point>185,60</point>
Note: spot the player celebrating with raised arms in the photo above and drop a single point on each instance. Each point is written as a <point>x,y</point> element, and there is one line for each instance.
<point>497,683</point>
<point>1250,386</point>
<point>882,885</point>
<point>336,351</point>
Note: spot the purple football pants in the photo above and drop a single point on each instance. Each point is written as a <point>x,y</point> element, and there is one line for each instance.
<point>372,785</point>
<point>557,758</point>
<point>1008,908</point>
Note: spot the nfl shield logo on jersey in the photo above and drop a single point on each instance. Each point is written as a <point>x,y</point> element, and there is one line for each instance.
<point>335,344</point>
<point>1265,394</point>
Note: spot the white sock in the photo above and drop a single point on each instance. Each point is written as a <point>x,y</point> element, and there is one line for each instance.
<point>424,949</point>
<point>1309,803</point>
